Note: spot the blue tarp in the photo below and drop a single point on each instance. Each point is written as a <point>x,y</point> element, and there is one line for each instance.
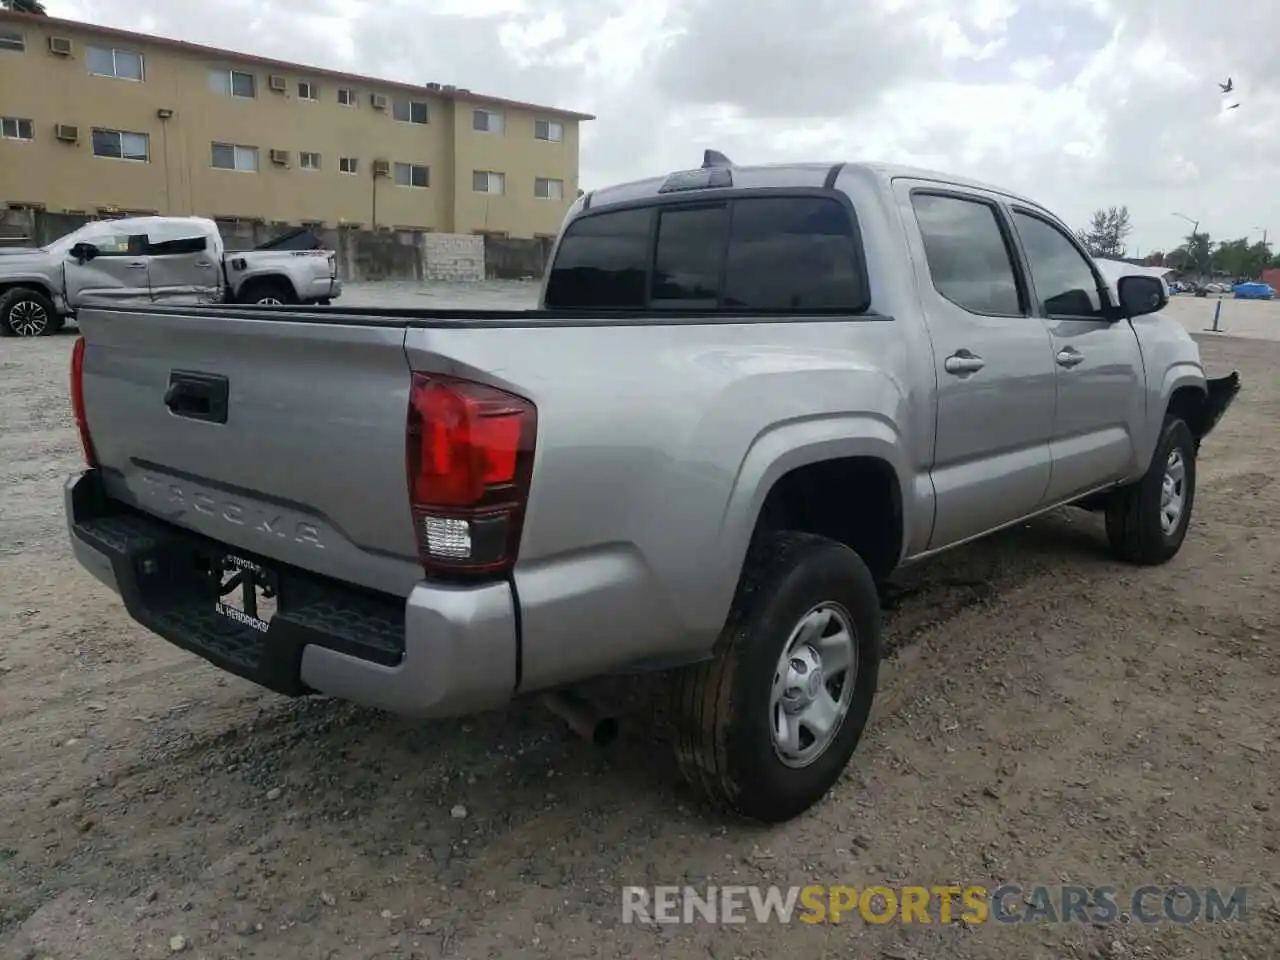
<point>1254,291</point>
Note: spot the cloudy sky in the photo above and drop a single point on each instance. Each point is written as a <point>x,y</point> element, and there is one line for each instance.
<point>1077,103</point>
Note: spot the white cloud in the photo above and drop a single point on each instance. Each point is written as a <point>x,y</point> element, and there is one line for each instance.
<point>1078,103</point>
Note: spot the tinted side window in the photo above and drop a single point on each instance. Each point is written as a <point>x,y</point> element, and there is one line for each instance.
<point>793,253</point>
<point>689,256</point>
<point>1064,281</point>
<point>185,245</point>
<point>601,262</point>
<point>969,261</point>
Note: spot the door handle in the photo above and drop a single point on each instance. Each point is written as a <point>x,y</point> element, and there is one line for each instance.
<point>963,362</point>
<point>1069,357</point>
<point>137,266</point>
<point>203,264</point>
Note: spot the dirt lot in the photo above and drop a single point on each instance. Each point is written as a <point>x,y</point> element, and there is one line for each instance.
<point>1048,716</point>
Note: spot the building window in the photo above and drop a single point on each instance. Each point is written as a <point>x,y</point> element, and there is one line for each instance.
<point>413,175</point>
<point>233,83</point>
<point>548,130</point>
<point>347,97</point>
<point>409,111</point>
<point>486,181</point>
<point>308,90</point>
<point>110,62</point>
<point>121,145</point>
<point>348,165</point>
<point>232,156</point>
<point>545,189</point>
<point>12,40</point>
<point>308,160</point>
<point>15,128</point>
<point>487,121</point>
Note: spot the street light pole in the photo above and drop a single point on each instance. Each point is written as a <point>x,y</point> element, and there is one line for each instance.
<point>1195,232</point>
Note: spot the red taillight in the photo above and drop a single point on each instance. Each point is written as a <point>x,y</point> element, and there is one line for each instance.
<point>77,402</point>
<point>469,455</point>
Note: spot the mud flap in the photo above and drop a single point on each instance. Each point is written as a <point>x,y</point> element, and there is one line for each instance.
<point>1221,392</point>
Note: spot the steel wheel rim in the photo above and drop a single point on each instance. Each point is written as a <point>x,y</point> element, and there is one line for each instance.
<point>28,318</point>
<point>813,684</point>
<point>1173,492</point>
<point>271,302</point>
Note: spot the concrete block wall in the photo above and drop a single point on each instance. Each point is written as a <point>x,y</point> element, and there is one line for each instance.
<point>453,256</point>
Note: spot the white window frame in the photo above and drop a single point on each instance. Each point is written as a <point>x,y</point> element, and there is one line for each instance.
<point>495,121</point>
<point>489,176</point>
<point>548,181</point>
<point>353,97</point>
<point>15,123</point>
<point>552,126</point>
<point>349,165</point>
<point>13,41</point>
<point>313,91</point>
<point>304,155</point>
<point>395,175</point>
<point>426,107</point>
<point>115,67</point>
<point>120,135</point>
<point>238,149</point>
<point>228,83</point>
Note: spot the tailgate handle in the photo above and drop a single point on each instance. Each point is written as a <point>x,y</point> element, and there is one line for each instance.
<point>198,396</point>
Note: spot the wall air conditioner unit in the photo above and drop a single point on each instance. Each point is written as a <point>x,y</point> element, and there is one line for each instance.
<point>67,132</point>
<point>277,83</point>
<point>378,101</point>
<point>280,157</point>
<point>381,168</point>
<point>448,87</point>
<point>433,86</point>
<point>60,46</point>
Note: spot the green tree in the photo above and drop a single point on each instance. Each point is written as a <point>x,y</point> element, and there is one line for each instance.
<point>1240,258</point>
<point>25,6</point>
<point>1196,253</point>
<point>1106,233</point>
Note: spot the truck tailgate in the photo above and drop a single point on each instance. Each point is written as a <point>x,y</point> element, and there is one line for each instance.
<point>304,460</point>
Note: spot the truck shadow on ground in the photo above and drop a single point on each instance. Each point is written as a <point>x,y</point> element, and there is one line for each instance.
<point>439,799</point>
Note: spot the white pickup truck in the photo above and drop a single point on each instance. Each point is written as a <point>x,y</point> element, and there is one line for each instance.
<point>155,258</point>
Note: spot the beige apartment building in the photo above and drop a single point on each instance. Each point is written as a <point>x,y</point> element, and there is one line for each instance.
<point>97,121</point>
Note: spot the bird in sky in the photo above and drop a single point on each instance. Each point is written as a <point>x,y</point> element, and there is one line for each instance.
<point>1228,86</point>
<point>1233,106</point>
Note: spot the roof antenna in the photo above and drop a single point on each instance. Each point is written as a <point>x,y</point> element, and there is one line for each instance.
<point>714,158</point>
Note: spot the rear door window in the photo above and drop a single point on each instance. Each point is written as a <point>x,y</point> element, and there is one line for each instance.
<point>968,257</point>
<point>602,263</point>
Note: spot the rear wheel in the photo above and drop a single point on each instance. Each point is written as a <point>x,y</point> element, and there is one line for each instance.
<point>25,312</point>
<point>767,727</point>
<point>271,292</point>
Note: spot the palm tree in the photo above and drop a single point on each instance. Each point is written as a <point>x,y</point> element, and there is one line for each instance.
<point>34,7</point>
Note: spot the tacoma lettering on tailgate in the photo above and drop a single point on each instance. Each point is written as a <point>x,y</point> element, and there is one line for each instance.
<point>264,520</point>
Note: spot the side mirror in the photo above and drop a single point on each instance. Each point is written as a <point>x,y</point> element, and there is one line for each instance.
<point>84,252</point>
<point>1140,295</point>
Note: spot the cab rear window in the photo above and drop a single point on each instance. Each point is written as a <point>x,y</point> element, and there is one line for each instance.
<point>773,253</point>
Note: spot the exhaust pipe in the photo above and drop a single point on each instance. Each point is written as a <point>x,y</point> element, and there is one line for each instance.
<point>582,717</point>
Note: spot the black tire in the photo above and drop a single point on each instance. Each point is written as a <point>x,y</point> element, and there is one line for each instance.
<point>724,740</point>
<point>272,289</point>
<point>11,305</point>
<point>1134,527</point>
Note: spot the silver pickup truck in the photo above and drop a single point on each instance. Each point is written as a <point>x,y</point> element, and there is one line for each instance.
<point>749,395</point>
<point>155,258</point>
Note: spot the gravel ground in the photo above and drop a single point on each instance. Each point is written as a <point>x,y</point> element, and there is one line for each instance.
<point>1047,716</point>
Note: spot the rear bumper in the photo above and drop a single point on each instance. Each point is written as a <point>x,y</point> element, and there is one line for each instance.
<point>443,651</point>
<point>325,289</point>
